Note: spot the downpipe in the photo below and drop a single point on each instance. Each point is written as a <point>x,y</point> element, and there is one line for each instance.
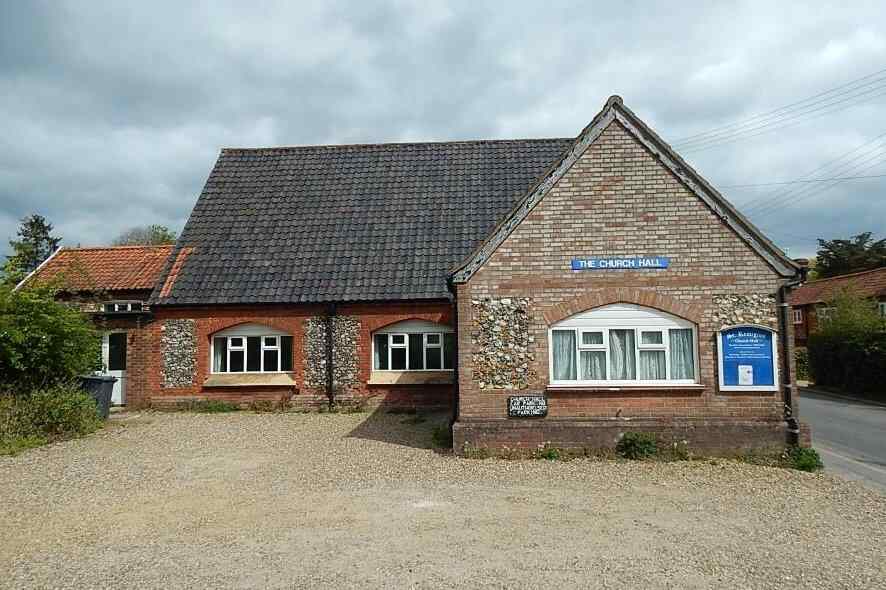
<point>330,392</point>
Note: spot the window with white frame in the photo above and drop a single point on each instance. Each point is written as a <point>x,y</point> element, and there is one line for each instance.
<point>123,306</point>
<point>623,344</point>
<point>413,345</point>
<point>798,316</point>
<point>251,348</point>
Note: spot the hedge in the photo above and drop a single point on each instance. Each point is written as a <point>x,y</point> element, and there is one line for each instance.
<point>854,363</point>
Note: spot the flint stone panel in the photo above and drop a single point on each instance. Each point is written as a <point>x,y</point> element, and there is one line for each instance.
<point>345,362</point>
<point>758,308</point>
<point>179,345</point>
<point>502,342</point>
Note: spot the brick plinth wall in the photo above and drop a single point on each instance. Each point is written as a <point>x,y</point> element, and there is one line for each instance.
<point>707,436</point>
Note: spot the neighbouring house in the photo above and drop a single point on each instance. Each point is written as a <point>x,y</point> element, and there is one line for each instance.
<point>811,301</point>
<point>548,291</point>
<point>112,285</point>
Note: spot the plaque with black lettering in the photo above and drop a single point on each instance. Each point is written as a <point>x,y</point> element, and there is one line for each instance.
<point>527,406</point>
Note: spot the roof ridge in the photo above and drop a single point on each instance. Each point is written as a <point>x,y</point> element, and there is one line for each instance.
<point>142,247</point>
<point>392,143</point>
<point>847,275</point>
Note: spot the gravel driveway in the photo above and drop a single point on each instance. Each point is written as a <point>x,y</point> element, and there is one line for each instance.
<point>355,501</point>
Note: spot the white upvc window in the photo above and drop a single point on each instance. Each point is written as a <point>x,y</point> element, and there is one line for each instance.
<point>251,348</point>
<point>623,344</point>
<point>123,306</point>
<point>798,316</point>
<point>413,345</point>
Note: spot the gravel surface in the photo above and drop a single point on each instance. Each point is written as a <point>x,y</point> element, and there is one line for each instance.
<point>360,501</point>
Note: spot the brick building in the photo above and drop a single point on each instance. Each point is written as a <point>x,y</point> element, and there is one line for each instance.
<point>598,281</point>
<point>811,300</point>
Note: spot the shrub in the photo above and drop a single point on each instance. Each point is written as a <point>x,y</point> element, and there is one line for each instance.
<point>804,459</point>
<point>54,413</point>
<point>42,342</point>
<point>848,351</point>
<point>801,358</point>
<point>637,445</point>
<point>549,453</point>
<point>213,406</point>
<point>441,436</point>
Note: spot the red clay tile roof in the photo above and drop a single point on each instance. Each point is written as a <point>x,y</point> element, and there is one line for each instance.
<point>869,283</point>
<point>117,268</point>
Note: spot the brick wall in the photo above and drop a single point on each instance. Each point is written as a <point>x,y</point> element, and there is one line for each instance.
<point>616,201</point>
<point>147,386</point>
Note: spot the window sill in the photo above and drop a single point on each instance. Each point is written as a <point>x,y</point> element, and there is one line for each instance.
<point>411,378</point>
<point>249,379</point>
<point>689,387</point>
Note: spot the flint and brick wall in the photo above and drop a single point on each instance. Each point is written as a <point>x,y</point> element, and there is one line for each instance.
<point>352,354</point>
<point>619,201</point>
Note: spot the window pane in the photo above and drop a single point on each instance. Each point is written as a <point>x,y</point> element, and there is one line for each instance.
<point>135,306</point>
<point>220,354</point>
<point>449,351</point>
<point>236,361</point>
<point>253,353</point>
<point>286,353</point>
<point>416,357</point>
<point>563,350</point>
<point>236,342</point>
<point>591,338</point>
<point>397,339</point>
<point>682,354</point>
<point>622,362</point>
<point>117,351</point>
<point>271,341</point>
<point>434,358</point>
<point>650,338</point>
<point>271,358</point>
<point>381,352</point>
<point>398,359</point>
<point>593,365</point>
<point>433,339</point>
<point>652,364</point>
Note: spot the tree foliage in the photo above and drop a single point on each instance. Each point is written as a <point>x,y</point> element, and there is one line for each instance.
<point>838,257</point>
<point>43,342</point>
<point>147,235</point>
<point>35,244</point>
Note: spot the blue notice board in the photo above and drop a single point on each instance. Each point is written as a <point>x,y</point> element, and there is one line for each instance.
<point>747,358</point>
<point>628,263</point>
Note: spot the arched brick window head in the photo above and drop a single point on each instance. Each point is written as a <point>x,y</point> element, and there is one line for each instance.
<point>645,298</point>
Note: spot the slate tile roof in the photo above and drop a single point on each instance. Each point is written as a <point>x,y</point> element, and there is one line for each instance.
<point>869,283</point>
<point>118,268</point>
<point>346,223</point>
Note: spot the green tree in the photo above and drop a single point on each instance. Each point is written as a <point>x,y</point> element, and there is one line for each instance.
<point>838,257</point>
<point>148,235</point>
<point>851,315</point>
<point>35,244</point>
<point>43,342</point>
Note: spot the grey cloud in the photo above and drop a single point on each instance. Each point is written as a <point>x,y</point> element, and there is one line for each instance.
<point>112,114</point>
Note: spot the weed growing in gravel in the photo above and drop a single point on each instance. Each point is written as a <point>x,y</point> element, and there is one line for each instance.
<point>441,436</point>
<point>472,452</point>
<point>637,445</point>
<point>549,453</point>
<point>212,406</point>
<point>804,459</point>
<point>14,446</point>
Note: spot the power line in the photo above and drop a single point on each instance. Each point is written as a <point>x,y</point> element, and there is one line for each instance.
<point>789,121</point>
<point>684,140</point>
<point>802,181</point>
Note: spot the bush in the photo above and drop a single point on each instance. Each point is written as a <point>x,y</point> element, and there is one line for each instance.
<point>848,351</point>
<point>549,453</point>
<point>804,459</point>
<point>637,445</point>
<point>801,359</point>
<point>43,343</point>
<point>213,406</point>
<point>55,413</point>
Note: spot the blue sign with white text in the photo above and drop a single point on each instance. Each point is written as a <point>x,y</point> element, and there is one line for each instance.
<point>747,357</point>
<point>630,263</point>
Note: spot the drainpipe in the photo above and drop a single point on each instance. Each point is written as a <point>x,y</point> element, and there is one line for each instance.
<point>786,376</point>
<point>454,417</point>
<point>330,393</point>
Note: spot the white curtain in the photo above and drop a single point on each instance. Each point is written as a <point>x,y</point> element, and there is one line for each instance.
<point>220,355</point>
<point>564,355</point>
<point>593,365</point>
<point>622,362</point>
<point>682,356</point>
<point>652,364</point>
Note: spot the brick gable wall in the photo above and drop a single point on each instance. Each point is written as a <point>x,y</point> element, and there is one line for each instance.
<point>617,201</point>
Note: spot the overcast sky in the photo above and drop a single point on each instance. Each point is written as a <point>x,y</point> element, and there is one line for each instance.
<point>112,114</point>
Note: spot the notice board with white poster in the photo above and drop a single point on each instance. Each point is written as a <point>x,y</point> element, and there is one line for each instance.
<point>747,358</point>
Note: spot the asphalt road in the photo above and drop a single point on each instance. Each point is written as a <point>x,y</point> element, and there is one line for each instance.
<point>849,435</point>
